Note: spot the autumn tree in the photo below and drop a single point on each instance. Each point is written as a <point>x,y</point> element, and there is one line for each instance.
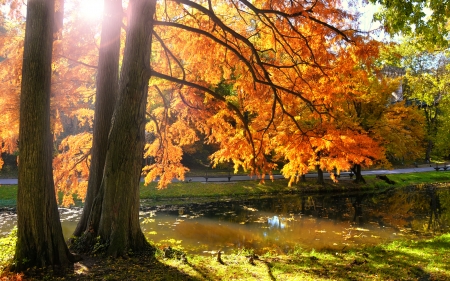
<point>39,238</point>
<point>279,63</point>
<point>11,50</point>
<point>426,87</point>
<point>115,213</point>
<point>106,95</point>
<point>340,141</point>
<point>75,64</point>
<point>424,24</point>
<point>273,54</point>
<point>73,86</point>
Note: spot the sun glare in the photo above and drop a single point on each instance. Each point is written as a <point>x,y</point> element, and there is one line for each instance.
<point>91,9</point>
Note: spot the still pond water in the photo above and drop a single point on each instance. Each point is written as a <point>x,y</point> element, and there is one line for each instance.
<point>280,224</point>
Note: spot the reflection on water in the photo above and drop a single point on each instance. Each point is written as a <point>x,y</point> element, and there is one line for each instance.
<point>274,222</point>
<point>280,223</point>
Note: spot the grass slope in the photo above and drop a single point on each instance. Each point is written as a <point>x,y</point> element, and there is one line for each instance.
<point>400,260</point>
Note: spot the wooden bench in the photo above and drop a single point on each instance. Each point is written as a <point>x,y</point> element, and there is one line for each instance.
<point>217,176</point>
<point>445,167</point>
<point>350,174</point>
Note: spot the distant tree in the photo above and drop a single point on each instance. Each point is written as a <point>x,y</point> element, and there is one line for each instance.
<point>11,49</point>
<point>426,86</point>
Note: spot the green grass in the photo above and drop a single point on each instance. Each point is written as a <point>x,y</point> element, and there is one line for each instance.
<point>211,189</point>
<point>8,194</point>
<point>7,247</point>
<point>420,178</point>
<point>399,260</point>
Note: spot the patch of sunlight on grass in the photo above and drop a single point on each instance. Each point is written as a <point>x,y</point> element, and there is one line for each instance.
<point>7,249</point>
<point>400,260</point>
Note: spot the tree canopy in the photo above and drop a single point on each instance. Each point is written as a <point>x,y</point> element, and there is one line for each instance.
<point>286,69</point>
<point>427,19</point>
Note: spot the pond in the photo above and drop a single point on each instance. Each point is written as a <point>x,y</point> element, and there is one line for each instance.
<point>282,223</point>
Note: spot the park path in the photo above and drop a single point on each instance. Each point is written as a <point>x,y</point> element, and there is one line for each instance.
<point>213,178</point>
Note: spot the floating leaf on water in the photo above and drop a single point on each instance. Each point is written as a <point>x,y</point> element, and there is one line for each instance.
<point>250,209</point>
<point>148,220</point>
<point>242,222</point>
<point>361,229</point>
<point>261,220</point>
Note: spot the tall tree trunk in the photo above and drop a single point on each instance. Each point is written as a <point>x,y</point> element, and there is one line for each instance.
<point>40,241</point>
<point>428,151</point>
<point>358,176</point>
<point>319,175</point>
<point>303,178</point>
<point>115,214</point>
<point>105,99</point>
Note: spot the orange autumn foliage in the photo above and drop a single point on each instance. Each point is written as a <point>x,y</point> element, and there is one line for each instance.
<point>73,88</point>
<point>288,69</point>
<point>266,81</point>
<point>11,49</point>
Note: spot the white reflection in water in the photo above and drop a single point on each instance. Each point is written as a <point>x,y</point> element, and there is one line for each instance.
<point>274,222</point>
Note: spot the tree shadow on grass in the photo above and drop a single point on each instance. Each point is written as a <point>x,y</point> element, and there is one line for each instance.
<point>145,267</point>
<point>204,273</point>
<point>269,270</point>
<point>407,260</point>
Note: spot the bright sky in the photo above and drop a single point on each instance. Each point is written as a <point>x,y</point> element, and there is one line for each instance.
<point>367,12</point>
<point>91,9</point>
<point>367,24</point>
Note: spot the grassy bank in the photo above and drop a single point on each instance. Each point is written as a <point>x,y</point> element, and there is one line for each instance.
<point>183,192</point>
<point>195,189</point>
<point>400,260</point>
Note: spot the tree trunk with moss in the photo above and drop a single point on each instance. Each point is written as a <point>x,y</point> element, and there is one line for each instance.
<point>40,241</point>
